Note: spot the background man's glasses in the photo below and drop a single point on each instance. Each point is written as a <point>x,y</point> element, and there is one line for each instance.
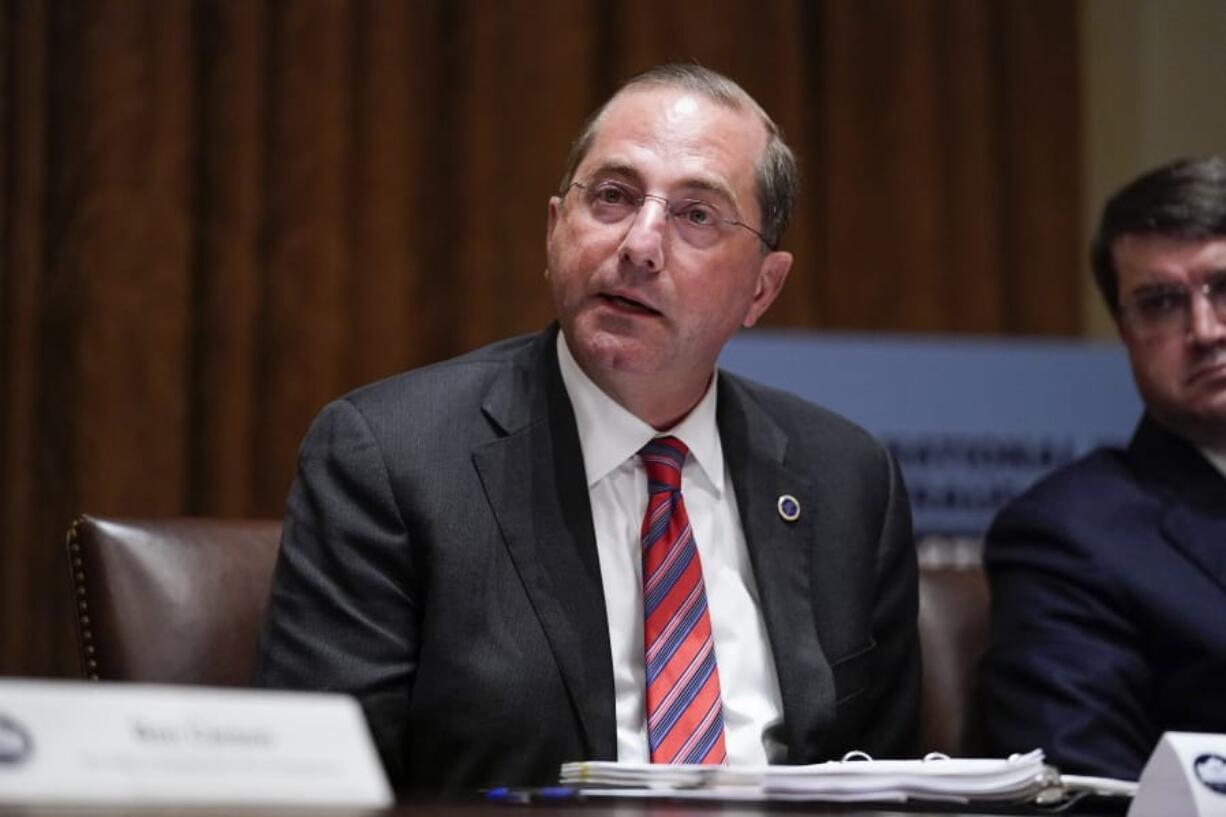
<point>1166,309</point>
<point>698,223</point>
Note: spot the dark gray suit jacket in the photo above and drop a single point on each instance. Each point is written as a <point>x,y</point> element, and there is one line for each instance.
<point>439,562</point>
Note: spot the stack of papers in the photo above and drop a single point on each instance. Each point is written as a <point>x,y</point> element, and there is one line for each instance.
<point>1017,778</point>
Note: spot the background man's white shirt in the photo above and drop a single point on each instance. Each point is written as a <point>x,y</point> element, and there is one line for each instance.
<point>1216,458</point>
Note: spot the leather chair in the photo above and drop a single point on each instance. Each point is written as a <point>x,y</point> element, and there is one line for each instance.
<point>953,625</point>
<point>183,600</point>
<point>170,600</point>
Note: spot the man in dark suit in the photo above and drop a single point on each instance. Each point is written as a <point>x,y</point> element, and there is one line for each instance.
<point>464,545</point>
<point>1109,577</point>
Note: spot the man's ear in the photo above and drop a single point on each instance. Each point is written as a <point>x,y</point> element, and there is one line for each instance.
<point>771,275</point>
<point>553,214</point>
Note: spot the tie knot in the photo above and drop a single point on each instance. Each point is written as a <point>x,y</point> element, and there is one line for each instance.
<point>663,458</point>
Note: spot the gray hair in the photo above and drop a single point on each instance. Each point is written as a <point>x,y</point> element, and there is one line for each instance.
<point>776,177</point>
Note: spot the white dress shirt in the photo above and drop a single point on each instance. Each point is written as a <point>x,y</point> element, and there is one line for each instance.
<point>610,438</point>
<point>1216,458</point>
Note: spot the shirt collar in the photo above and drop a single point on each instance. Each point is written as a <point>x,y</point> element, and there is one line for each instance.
<point>1216,458</point>
<point>609,434</point>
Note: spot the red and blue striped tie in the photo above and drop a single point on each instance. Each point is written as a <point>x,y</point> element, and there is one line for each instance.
<point>685,720</point>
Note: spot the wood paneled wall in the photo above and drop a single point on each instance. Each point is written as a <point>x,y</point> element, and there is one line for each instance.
<point>215,215</point>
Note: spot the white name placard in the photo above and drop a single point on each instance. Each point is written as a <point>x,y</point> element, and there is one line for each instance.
<point>1185,775</point>
<point>65,742</point>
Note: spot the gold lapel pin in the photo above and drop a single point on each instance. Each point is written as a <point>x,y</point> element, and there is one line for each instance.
<point>788,507</point>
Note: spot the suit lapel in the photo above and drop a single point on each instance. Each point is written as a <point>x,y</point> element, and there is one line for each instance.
<point>1195,518</point>
<point>534,481</point>
<point>1201,538</point>
<point>781,553</point>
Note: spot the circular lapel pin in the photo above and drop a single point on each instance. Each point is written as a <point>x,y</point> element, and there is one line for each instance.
<point>788,507</point>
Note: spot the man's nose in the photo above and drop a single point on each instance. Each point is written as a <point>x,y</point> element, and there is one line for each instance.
<point>1205,325</point>
<point>643,246</point>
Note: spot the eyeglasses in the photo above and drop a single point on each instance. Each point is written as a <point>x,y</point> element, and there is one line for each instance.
<point>1166,309</point>
<point>699,223</point>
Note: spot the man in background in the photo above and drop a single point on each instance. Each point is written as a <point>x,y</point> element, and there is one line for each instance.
<point>1108,578</point>
<point>589,543</point>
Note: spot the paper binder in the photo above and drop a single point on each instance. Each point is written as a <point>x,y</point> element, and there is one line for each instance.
<point>856,778</point>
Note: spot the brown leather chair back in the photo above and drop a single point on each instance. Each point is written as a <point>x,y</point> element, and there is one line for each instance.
<point>183,601</point>
<point>170,600</point>
<point>953,625</point>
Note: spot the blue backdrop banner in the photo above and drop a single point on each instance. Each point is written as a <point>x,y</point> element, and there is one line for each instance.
<point>973,421</point>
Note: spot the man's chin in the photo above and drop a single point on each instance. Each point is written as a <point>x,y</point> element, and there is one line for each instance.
<point>615,353</point>
<point>1212,417</point>
<point>1202,422</point>
<point>1206,397</point>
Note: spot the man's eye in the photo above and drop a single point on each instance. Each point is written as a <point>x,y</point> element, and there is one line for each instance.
<point>1161,301</point>
<point>612,194</point>
<point>1215,287</point>
<point>698,213</point>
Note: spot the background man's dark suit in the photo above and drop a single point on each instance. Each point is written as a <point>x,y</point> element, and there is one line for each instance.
<point>439,561</point>
<point>1108,603</point>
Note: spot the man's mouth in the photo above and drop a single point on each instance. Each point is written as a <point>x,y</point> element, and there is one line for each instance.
<point>1211,366</point>
<point>1207,371</point>
<point>625,303</point>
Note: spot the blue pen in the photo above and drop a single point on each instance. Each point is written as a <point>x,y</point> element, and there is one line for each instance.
<point>506,794</point>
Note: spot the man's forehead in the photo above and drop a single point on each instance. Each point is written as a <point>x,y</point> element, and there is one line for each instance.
<point>706,144</point>
<point>672,108</point>
<point>1139,254</point>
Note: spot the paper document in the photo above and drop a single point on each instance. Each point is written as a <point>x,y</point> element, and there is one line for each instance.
<point>1017,778</point>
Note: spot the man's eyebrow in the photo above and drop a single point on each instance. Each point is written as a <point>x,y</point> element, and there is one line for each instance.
<point>698,184</point>
<point>711,185</point>
<point>1158,283</point>
<point>623,170</point>
<point>1155,286</point>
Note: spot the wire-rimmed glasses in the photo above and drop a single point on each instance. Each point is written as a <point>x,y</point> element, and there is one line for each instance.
<point>699,223</point>
<point>1166,309</point>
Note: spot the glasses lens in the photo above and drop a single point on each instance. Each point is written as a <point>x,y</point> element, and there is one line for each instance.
<point>1215,291</point>
<point>1161,309</point>
<point>610,202</point>
<point>699,223</point>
